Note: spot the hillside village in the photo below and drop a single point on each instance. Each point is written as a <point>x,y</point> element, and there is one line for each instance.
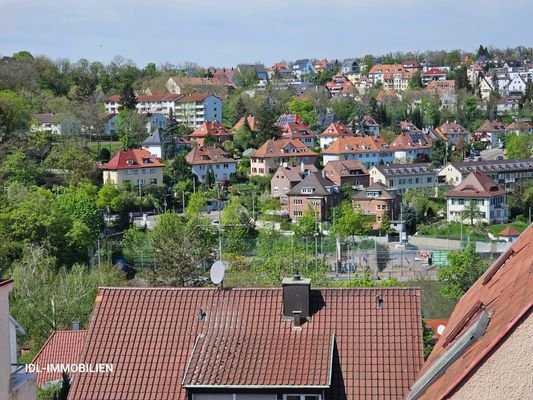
<point>314,229</point>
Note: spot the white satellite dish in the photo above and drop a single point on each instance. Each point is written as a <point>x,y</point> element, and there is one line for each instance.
<point>440,329</point>
<point>217,272</point>
<point>284,165</point>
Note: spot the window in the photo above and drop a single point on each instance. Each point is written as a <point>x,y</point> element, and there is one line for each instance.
<point>226,165</point>
<point>153,181</point>
<point>302,397</point>
<point>297,213</point>
<point>297,202</point>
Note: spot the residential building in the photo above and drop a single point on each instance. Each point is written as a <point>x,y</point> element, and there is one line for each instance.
<point>347,172</point>
<point>391,76</point>
<point>325,120</point>
<point>252,122</point>
<point>404,176</point>
<point>324,65</point>
<point>433,74</point>
<point>350,66</point>
<point>109,124</point>
<point>367,149</point>
<point>489,198</point>
<point>379,200</point>
<point>473,73</point>
<point>290,343</point>
<point>147,104</point>
<point>508,104</point>
<point>286,177</point>
<point>332,132</point>
<point>411,66</point>
<point>137,167</point>
<point>214,129</point>
<point>517,86</point>
<point>303,67</point>
<point>61,348</point>
<point>15,382</point>
<point>220,85</point>
<point>280,71</point>
<point>339,85</point>
<point>508,234</point>
<point>490,133</point>
<point>155,121</point>
<point>203,159</point>
<point>299,130</point>
<point>195,109</point>
<point>441,88</point>
<point>273,153</point>
<point>484,351</point>
<point>154,144</point>
<point>520,127</point>
<point>47,123</point>
<point>371,126</point>
<point>315,193</point>
<point>259,70</point>
<point>485,88</point>
<point>506,173</point>
<point>453,133</point>
<point>411,145</point>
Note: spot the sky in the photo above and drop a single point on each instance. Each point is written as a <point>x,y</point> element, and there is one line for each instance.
<point>228,32</point>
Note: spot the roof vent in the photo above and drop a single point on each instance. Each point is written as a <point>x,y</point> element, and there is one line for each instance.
<point>296,297</point>
<point>379,302</point>
<point>202,315</point>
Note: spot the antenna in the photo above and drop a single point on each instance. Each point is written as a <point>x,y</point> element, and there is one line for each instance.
<point>217,272</point>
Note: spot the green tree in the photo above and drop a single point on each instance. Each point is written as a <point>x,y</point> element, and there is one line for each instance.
<point>128,100</point>
<point>238,227</point>
<point>130,129</point>
<point>240,109</point>
<point>349,222</point>
<point>471,211</point>
<point>453,59</point>
<point>344,108</point>
<point>14,114</point>
<point>466,266</point>
<point>177,169</point>
<point>416,81</point>
<point>519,146</point>
<point>440,153</point>
<point>303,107</point>
<point>17,167</point>
<point>266,118</point>
<point>307,224</point>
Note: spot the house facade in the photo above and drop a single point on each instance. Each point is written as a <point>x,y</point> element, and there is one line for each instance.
<point>195,109</point>
<point>214,129</point>
<point>378,200</point>
<point>204,159</point>
<point>347,172</point>
<point>433,74</point>
<point>273,153</point>
<point>314,193</point>
<point>286,177</point>
<point>367,149</point>
<point>490,133</point>
<point>334,131</point>
<point>303,67</point>
<point>154,144</point>
<point>403,177</point>
<point>453,133</point>
<point>410,146</point>
<point>147,104</point>
<point>299,131</point>
<point>137,167</point>
<point>47,123</point>
<point>484,193</point>
<point>350,66</point>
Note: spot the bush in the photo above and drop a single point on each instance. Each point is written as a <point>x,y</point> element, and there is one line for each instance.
<point>104,155</point>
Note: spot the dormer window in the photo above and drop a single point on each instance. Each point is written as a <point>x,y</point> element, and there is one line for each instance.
<point>130,162</point>
<point>147,160</point>
<point>308,190</point>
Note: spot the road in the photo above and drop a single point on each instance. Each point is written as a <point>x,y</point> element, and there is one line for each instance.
<point>491,154</point>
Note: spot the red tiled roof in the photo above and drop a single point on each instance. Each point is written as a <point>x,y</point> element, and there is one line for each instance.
<point>491,126</point>
<point>276,148</point>
<point>519,125</point>
<point>346,167</point>
<point>293,130</point>
<point>212,128</point>
<point>149,335</point>
<point>504,292</point>
<point>358,144</point>
<point>510,231</point>
<point>62,347</point>
<point>208,155</point>
<point>253,123</point>
<point>434,71</point>
<point>336,129</point>
<point>132,159</point>
<point>410,140</point>
<point>476,184</point>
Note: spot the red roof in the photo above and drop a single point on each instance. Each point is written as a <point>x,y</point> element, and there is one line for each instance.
<point>62,347</point>
<point>208,155</point>
<point>336,129</point>
<point>212,128</point>
<point>150,98</point>
<point>132,159</point>
<point>357,144</point>
<point>252,121</point>
<point>156,342</point>
<point>504,293</point>
<point>476,184</point>
<point>283,148</point>
<point>434,71</point>
<point>510,231</point>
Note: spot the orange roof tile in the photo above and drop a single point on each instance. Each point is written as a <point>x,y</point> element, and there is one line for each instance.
<point>283,148</point>
<point>476,184</point>
<point>509,231</point>
<point>132,159</point>
<point>336,129</point>
<point>357,144</point>
<point>200,155</point>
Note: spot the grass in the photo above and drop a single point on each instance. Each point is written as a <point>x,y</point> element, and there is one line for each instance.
<point>434,304</point>
<point>113,147</point>
<point>452,230</point>
<point>520,226</point>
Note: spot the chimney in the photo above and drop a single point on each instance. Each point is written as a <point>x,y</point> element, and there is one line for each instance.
<point>296,299</point>
<point>76,325</point>
<point>302,167</point>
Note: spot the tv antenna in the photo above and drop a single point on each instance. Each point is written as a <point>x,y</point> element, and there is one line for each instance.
<point>217,272</point>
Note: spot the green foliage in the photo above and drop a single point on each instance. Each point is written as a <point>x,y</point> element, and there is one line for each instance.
<point>365,280</point>
<point>17,167</point>
<point>130,129</point>
<point>440,154</point>
<point>519,146</point>
<point>303,107</point>
<point>244,138</point>
<point>349,222</point>
<point>197,204</point>
<point>471,211</point>
<point>14,113</point>
<point>177,169</point>
<point>416,81</point>
<point>307,224</point>
<point>344,108</point>
<point>128,100</point>
<point>238,227</point>
<point>466,266</point>
<point>427,336</point>
<point>104,155</point>
<point>136,245</point>
<point>73,163</point>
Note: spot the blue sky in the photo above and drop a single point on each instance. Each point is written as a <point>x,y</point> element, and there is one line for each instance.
<point>227,32</point>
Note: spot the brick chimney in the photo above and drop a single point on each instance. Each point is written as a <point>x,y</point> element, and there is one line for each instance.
<point>296,299</point>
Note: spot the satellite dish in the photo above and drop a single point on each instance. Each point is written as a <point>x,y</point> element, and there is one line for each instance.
<point>440,329</point>
<point>284,165</point>
<point>217,272</point>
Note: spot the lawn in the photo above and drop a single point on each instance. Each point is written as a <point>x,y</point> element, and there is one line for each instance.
<point>113,147</point>
<point>520,226</point>
<point>434,305</point>
<point>454,230</point>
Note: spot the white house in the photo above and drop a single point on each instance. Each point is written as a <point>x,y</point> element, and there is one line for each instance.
<point>47,122</point>
<point>491,201</point>
<point>517,86</point>
<point>205,158</point>
<point>402,177</point>
<point>367,149</point>
<point>195,109</point>
<point>334,131</point>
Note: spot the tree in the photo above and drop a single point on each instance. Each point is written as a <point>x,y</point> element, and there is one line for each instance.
<point>20,168</point>
<point>466,266</point>
<point>303,107</point>
<point>343,108</point>
<point>266,118</point>
<point>128,100</point>
<point>471,211</point>
<point>14,114</point>
<point>349,222</point>
<point>519,146</point>
<point>416,81</point>
<point>244,137</point>
<point>177,169</point>
<point>439,152</point>
<point>238,227</point>
<point>306,225</point>
<point>240,108</point>
<point>453,59</point>
<point>409,217</point>
<point>461,79</point>
<point>130,129</point>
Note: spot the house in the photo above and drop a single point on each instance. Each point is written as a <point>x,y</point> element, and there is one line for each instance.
<point>393,77</point>
<point>367,149</point>
<point>473,73</point>
<point>154,121</point>
<point>280,71</point>
<point>489,198</point>
<point>109,124</point>
<point>302,68</point>
<point>490,133</point>
<point>325,120</point>
<point>315,193</point>
<point>137,167</point>
<point>506,173</point>
<point>517,86</point>
<point>324,65</point>
<point>441,88</point>
<point>15,382</point>
<point>347,172</point>
<point>47,123</point>
<point>214,129</point>
<point>273,153</point>
<point>202,159</point>
<point>147,104</point>
<point>350,66</point>
<point>433,74</point>
<point>339,85</point>
<point>411,66</point>
<point>484,351</point>
<point>509,234</point>
<point>219,85</point>
<point>299,130</point>
<point>404,177</point>
<point>62,347</point>
<point>520,127</point>
<point>252,122</point>
<point>508,104</point>
<point>195,109</point>
<point>453,133</point>
<point>154,143</point>
<point>371,126</point>
<point>259,70</point>
<point>362,84</point>
<point>286,177</point>
<point>332,132</point>
<point>411,145</point>
<point>379,200</point>
<point>261,343</point>
<point>485,88</point>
